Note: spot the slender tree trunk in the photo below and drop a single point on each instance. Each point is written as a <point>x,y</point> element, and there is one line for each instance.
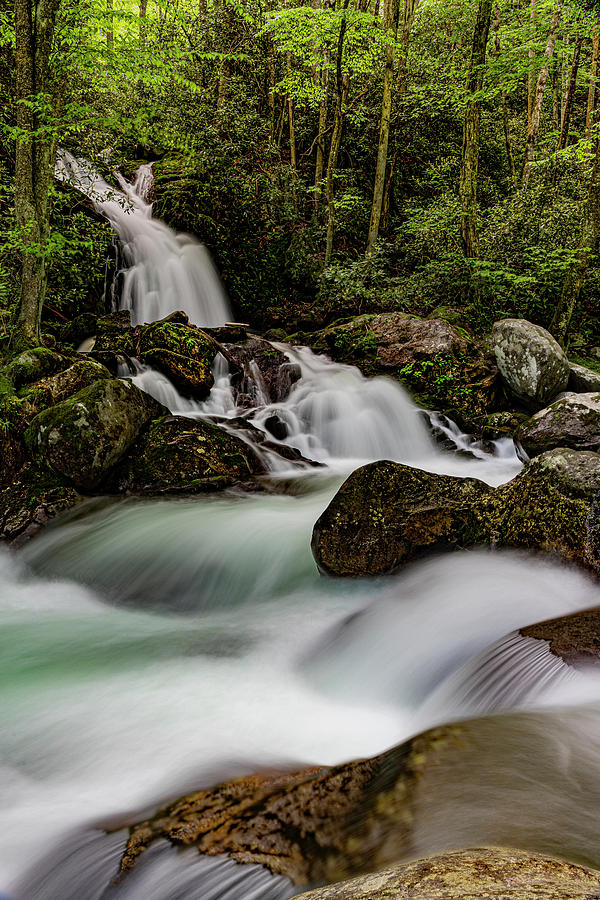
<point>342,88</point>
<point>471,132</point>
<point>555,97</point>
<point>143,14</point>
<point>504,101</point>
<point>592,92</point>
<point>323,110</point>
<point>588,241</point>
<point>34,33</point>
<point>540,89</point>
<point>110,35</point>
<point>293,158</point>
<point>531,54</point>
<point>410,10</point>
<point>392,11</point>
<point>563,139</point>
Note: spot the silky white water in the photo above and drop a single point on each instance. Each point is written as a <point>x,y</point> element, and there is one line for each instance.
<point>150,647</point>
<point>163,271</point>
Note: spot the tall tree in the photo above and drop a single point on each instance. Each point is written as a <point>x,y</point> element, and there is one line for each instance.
<point>570,96</point>
<point>536,113</point>
<point>342,86</point>
<point>471,131</point>
<point>592,91</point>
<point>392,9</point>
<point>39,93</point>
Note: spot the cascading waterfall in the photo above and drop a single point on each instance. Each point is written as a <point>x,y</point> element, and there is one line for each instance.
<point>163,271</point>
<point>150,647</point>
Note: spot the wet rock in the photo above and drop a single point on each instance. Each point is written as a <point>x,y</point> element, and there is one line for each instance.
<point>582,380</point>
<point>267,375</point>
<point>30,501</point>
<point>575,638</point>
<point>572,422</point>
<point>84,436</point>
<point>476,874</point>
<point>386,514</point>
<point>178,454</point>
<point>181,352</point>
<point>57,388</point>
<point>114,336</point>
<point>12,455</point>
<point>502,424</point>
<point>277,427</point>
<point>34,364</point>
<point>531,362</point>
<point>439,363</point>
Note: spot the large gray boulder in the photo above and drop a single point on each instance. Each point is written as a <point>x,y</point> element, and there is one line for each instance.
<point>83,437</point>
<point>532,363</point>
<point>475,874</point>
<point>573,421</point>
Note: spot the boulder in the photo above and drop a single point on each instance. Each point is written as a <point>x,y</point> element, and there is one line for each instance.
<point>582,380</point>
<point>476,874</point>
<point>267,375</point>
<point>83,437</point>
<point>30,501</point>
<point>12,454</point>
<point>57,388</point>
<point>34,364</point>
<point>177,454</point>
<point>455,785</point>
<point>442,366</point>
<point>575,638</point>
<point>572,422</point>
<point>181,352</point>
<point>532,363</point>
<point>386,514</point>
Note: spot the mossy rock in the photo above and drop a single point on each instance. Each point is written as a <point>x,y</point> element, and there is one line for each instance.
<point>572,421</point>
<point>178,454</point>
<point>533,365</point>
<point>477,874</point>
<point>181,352</point>
<point>56,388</point>
<point>83,437</point>
<point>31,365</point>
<point>115,337</point>
<point>30,501</point>
<point>386,514</point>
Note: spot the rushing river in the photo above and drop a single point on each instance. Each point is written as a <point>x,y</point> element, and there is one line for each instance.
<point>149,647</point>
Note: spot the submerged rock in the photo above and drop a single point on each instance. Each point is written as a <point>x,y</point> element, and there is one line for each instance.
<point>573,421</point>
<point>84,436</point>
<point>176,454</point>
<point>531,362</point>
<point>477,874</point>
<point>181,352</point>
<point>386,514</point>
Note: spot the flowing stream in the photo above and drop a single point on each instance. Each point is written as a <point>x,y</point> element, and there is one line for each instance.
<point>151,647</point>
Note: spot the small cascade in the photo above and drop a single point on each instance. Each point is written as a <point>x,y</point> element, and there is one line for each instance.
<point>162,271</point>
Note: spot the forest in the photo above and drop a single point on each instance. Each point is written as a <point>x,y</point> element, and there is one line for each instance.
<point>299,449</point>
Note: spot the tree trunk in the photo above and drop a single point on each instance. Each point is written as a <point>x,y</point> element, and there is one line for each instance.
<point>531,54</point>
<point>471,131</point>
<point>504,101</point>
<point>410,10</point>
<point>392,11</point>
<point>592,92</point>
<point>587,246</point>
<point>34,33</point>
<point>293,159</point>
<point>323,109</point>
<point>342,88</point>
<point>143,13</point>
<point>110,35</point>
<point>563,139</point>
<point>536,113</point>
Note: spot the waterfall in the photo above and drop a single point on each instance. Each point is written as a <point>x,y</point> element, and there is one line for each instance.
<point>163,271</point>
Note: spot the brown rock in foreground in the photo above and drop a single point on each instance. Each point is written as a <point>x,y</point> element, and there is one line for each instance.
<point>575,638</point>
<point>488,872</point>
